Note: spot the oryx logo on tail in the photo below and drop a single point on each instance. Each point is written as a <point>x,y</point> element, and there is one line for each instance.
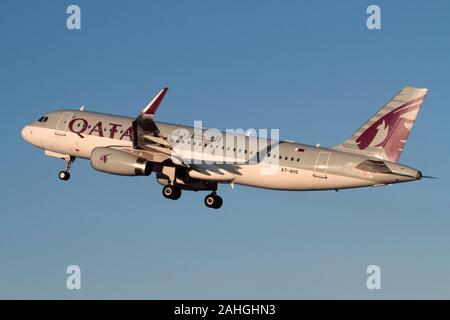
<point>385,134</point>
<point>398,122</point>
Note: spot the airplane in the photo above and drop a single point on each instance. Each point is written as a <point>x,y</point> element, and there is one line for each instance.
<point>197,159</point>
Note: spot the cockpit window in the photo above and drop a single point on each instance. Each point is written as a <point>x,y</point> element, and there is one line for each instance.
<point>43,119</point>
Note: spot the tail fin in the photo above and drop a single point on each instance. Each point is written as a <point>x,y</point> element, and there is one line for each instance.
<point>385,134</point>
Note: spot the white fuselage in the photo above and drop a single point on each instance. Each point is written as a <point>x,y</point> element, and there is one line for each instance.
<point>290,166</point>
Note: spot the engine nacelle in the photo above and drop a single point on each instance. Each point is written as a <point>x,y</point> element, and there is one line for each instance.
<point>119,162</point>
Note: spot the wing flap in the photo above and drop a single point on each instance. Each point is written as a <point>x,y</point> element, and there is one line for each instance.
<point>210,172</point>
<point>158,140</point>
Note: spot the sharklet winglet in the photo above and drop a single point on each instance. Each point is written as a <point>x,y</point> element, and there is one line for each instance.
<point>154,104</point>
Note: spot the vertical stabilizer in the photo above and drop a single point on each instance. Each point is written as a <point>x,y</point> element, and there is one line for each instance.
<point>385,134</point>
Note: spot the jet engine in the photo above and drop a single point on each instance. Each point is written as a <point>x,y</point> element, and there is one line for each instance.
<point>119,162</point>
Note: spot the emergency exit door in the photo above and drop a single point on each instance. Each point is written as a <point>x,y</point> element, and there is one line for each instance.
<point>321,167</point>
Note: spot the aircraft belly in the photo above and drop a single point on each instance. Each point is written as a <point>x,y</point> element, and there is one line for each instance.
<point>285,178</point>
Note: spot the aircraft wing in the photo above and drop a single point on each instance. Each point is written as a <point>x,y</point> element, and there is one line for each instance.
<point>202,171</point>
<point>148,143</point>
<point>145,126</point>
<point>147,140</point>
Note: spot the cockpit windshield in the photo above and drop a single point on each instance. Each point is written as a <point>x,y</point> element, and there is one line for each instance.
<point>43,119</point>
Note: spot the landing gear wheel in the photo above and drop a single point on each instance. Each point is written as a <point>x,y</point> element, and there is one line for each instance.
<point>213,201</point>
<point>64,175</point>
<point>171,192</point>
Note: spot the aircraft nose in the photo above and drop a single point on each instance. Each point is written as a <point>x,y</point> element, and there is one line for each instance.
<point>26,133</point>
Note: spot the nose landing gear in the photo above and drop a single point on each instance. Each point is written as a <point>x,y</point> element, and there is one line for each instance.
<point>65,175</point>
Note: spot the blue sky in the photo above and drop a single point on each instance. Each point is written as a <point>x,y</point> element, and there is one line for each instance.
<point>310,68</point>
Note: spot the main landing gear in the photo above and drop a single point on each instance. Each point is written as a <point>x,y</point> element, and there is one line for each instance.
<point>65,175</point>
<point>212,200</point>
<point>171,192</point>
